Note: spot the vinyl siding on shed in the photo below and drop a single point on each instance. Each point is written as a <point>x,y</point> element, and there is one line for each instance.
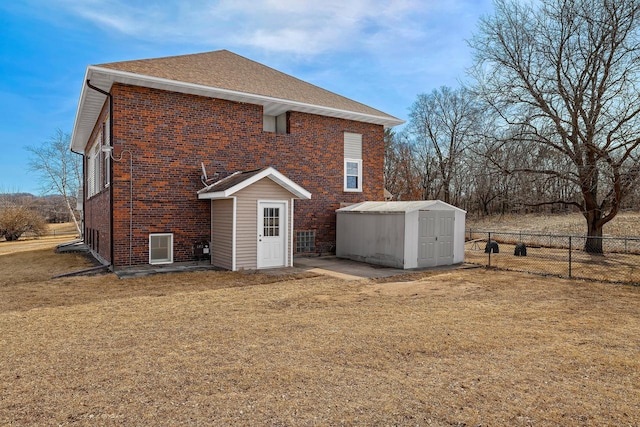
<point>247,220</point>
<point>222,233</point>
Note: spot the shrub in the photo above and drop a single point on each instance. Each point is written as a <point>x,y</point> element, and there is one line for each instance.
<point>16,220</point>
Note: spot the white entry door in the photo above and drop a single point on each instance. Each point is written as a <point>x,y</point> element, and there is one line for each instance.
<point>272,232</point>
<point>435,240</point>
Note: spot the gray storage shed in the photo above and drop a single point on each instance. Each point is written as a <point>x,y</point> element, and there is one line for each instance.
<point>414,234</point>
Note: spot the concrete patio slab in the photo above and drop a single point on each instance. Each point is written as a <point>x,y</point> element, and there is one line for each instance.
<point>344,268</point>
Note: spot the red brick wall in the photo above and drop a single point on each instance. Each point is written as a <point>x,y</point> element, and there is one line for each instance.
<point>168,134</point>
<point>97,231</point>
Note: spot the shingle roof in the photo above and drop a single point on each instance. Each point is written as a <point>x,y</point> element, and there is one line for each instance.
<point>227,70</point>
<point>230,185</point>
<point>232,180</point>
<point>219,74</point>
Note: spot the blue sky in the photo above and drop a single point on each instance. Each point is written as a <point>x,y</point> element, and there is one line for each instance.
<point>381,53</point>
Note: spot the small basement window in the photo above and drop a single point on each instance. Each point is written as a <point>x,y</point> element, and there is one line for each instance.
<point>161,248</point>
<point>306,241</point>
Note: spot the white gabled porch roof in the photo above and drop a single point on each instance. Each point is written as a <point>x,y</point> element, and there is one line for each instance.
<point>227,187</point>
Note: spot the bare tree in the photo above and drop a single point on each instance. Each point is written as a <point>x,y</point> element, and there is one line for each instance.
<point>60,170</point>
<point>401,175</point>
<point>442,123</point>
<point>17,219</point>
<point>566,75</point>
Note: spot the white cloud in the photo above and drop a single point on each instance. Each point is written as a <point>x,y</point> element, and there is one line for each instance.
<point>293,26</point>
<point>403,47</point>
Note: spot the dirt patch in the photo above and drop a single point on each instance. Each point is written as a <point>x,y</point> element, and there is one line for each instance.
<point>443,284</point>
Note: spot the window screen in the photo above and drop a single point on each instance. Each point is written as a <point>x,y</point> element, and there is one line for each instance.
<point>160,248</point>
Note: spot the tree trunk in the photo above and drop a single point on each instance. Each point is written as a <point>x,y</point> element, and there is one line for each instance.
<point>593,244</point>
<point>446,191</point>
<point>73,216</point>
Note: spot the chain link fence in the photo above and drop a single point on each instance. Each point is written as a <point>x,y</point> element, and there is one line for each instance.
<point>554,255</point>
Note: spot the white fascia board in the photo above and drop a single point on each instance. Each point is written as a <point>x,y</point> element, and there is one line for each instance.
<point>218,195</point>
<point>76,121</point>
<point>109,76</point>
<point>285,182</point>
<point>89,106</point>
<point>250,98</point>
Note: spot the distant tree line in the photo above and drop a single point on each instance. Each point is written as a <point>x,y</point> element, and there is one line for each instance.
<point>550,119</point>
<point>52,208</point>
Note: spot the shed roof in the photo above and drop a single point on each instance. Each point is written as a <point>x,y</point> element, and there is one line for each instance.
<point>398,206</point>
<point>228,186</point>
<point>219,74</point>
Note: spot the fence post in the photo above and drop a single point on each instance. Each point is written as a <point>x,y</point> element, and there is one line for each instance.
<point>570,250</point>
<point>490,250</point>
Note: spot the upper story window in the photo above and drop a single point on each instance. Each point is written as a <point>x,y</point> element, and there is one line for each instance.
<point>352,162</point>
<point>352,175</point>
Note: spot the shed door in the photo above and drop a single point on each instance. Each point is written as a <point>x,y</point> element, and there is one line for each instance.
<point>272,231</point>
<point>435,238</point>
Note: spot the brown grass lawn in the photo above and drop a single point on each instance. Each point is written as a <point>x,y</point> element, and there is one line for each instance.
<point>56,234</point>
<point>549,255</point>
<point>624,224</point>
<point>611,267</point>
<point>63,227</point>
<point>460,347</point>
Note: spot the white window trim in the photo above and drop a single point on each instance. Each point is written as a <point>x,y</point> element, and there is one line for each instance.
<point>107,156</point>
<point>94,167</point>
<point>107,170</point>
<point>359,188</point>
<point>90,174</point>
<point>170,260</point>
<point>97,163</point>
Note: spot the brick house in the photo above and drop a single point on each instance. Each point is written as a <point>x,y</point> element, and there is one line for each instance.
<point>215,147</point>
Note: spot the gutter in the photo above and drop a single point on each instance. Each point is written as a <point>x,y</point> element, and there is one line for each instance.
<point>107,94</point>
